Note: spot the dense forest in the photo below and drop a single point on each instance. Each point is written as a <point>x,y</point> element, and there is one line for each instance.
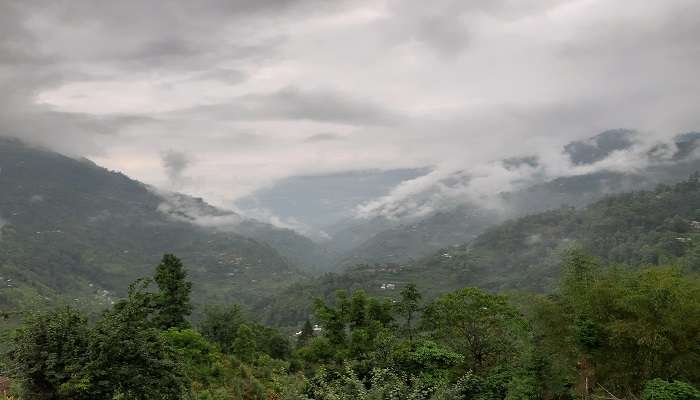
<point>608,331</point>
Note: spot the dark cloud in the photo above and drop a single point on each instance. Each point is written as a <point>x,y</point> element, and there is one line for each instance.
<point>448,26</point>
<point>293,103</point>
<point>175,163</point>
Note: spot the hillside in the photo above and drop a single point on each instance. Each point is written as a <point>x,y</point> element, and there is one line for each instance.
<point>402,241</point>
<point>69,227</point>
<point>660,226</point>
<point>301,251</point>
<point>409,241</point>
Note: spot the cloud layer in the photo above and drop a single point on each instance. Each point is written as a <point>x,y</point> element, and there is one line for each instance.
<point>258,91</point>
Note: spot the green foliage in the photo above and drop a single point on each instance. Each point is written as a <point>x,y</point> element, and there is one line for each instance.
<point>173,300</point>
<point>244,344</point>
<point>220,325</point>
<point>613,326</point>
<point>383,384</point>
<point>130,358</point>
<point>408,306</point>
<point>482,327</point>
<point>658,389</point>
<point>424,357</point>
<point>625,327</point>
<point>57,355</point>
<point>48,354</point>
<point>306,334</point>
<point>201,360</point>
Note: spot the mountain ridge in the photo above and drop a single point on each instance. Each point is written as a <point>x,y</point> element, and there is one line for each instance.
<point>74,229</point>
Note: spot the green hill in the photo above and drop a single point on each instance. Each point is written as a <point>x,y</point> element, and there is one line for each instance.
<point>642,228</point>
<point>73,229</point>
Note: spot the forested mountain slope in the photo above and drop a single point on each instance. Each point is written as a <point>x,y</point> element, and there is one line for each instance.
<point>301,251</point>
<point>642,228</point>
<point>636,228</point>
<point>403,241</point>
<point>69,227</point>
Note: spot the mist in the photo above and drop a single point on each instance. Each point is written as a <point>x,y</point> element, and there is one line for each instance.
<point>260,92</point>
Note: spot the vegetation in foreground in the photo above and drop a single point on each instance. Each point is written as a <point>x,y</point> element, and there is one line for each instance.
<point>607,331</point>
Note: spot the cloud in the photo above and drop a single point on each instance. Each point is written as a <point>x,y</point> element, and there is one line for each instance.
<point>258,91</point>
<point>226,75</point>
<point>322,137</point>
<point>196,211</point>
<point>449,26</point>
<point>293,103</point>
<point>481,185</point>
<point>175,163</point>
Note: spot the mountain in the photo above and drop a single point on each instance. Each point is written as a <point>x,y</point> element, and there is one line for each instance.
<point>594,173</point>
<point>301,251</point>
<point>408,241</point>
<point>70,228</point>
<point>637,228</point>
<point>640,228</point>
<point>312,203</point>
<point>600,146</point>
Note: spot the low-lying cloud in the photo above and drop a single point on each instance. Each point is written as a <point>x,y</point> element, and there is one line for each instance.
<point>483,184</point>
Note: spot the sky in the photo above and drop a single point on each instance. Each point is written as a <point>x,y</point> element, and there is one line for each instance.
<point>224,99</point>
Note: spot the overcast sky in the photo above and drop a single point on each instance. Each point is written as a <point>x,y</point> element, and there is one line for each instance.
<point>222,97</point>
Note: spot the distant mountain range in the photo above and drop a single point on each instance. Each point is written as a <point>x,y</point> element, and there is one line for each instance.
<point>70,229</point>
<point>597,173</point>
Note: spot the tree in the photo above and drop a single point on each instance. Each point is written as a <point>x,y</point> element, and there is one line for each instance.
<point>220,324</point>
<point>380,311</point>
<point>307,333</point>
<point>481,326</point>
<point>358,309</point>
<point>48,354</point>
<point>409,306</point>
<point>173,300</point>
<point>129,357</point>
<point>244,344</point>
<point>333,319</point>
<point>200,357</point>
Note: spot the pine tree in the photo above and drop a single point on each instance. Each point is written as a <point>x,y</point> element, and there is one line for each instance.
<point>173,300</point>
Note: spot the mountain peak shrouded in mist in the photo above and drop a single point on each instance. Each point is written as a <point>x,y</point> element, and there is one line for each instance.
<point>421,216</point>
<point>600,146</point>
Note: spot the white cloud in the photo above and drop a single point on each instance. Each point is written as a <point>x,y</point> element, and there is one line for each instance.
<point>481,184</point>
<point>244,86</point>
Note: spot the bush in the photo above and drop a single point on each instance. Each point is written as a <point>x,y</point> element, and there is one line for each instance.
<point>659,389</point>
